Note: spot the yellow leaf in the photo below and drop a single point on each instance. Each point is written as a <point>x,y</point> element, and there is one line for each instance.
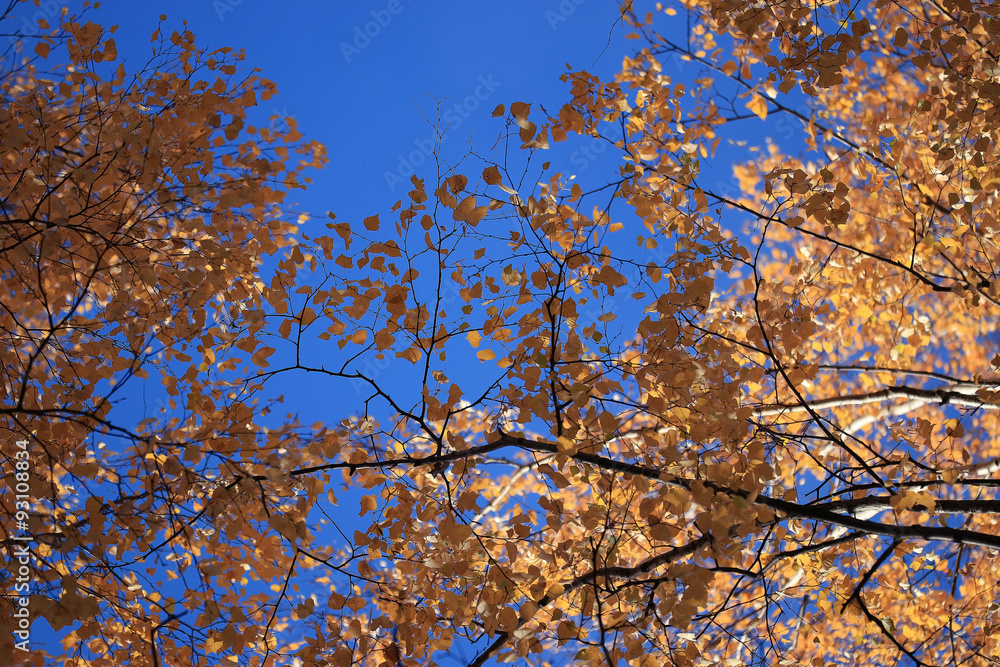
<point>467,211</point>
<point>213,645</point>
<point>474,338</point>
<point>527,129</point>
<point>260,356</point>
<point>510,276</point>
<point>567,446</point>
<point>411,354</point>
<point>486,355</point>
<point>701,201</point>
<point>758,105</point>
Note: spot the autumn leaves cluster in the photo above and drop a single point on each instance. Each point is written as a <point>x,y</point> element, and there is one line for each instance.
<point>703,427</point>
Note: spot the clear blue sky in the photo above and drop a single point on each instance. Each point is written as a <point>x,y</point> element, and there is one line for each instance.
<point>356,75</point>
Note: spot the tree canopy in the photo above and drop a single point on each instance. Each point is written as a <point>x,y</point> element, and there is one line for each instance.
<point>754,422</point>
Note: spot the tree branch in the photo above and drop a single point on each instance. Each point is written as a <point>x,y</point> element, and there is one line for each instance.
<point>952,394</point>
<point>618,572</point>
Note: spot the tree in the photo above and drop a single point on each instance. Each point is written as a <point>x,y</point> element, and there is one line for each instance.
<point>794,454</point>
<point>137,209</point>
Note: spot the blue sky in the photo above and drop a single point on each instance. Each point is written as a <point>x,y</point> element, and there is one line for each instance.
<point>359,76</point>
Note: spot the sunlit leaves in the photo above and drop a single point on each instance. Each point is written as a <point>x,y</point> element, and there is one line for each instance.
<point>758,105</point>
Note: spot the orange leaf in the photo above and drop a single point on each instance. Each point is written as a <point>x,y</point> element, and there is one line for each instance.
<point>491,175</point>
<point>758,105</point>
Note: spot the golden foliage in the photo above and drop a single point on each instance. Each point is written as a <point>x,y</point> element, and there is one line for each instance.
<point>792,456</point>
